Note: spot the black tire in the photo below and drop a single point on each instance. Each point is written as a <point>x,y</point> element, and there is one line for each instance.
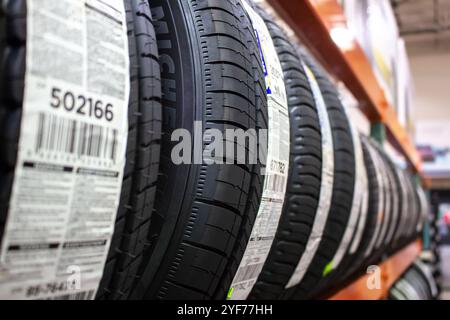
<point>211,72</point>
<point>418,218</point>
<point>424,211</point>
<point>412,215</point>
<point>426,271</point>
<point>343,187</point>
<point>12,77</point>
<point>355,265</point>
<point>394,198</point>
<point>416,279</point>
<point>396,294</point>
<point>406,212</point>
<point>396,244</point>
<point>304,177</point>
<point>340,276</point>
<point>141,144</point>
<point>393,244</point>
<point>139,185</point>
<point>387,213</point>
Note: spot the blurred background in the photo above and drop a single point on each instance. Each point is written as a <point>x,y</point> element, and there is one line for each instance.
<point>407,43</point>
<point>425,27</point>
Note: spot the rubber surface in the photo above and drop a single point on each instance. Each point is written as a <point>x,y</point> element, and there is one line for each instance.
<point>144,119</point>
<point>355,266</point>
<point>417,283</point>
<point>304,177</point>
<point>143,151</point>
<point>393,244</point>
<point>387,213</point>
<point>212,73</point>
<point>12,77</point>
<point>344,181</point>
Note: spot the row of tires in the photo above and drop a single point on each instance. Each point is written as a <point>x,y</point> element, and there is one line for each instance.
<point>417,283</point>
<point>432,243</point>
<point>234,230</point>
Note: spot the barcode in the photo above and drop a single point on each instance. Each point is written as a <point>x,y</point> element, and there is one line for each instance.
<point>248,272</point>
<point>85,295</point>
<point>276,183</point>
<point>56,134</point>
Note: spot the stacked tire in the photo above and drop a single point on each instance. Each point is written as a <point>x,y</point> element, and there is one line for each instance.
<point>417,283</point>
<point>143,116</point>
<point>319,204</point>
<point>396,213</point>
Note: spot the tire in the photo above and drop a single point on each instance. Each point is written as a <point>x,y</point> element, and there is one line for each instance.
<point>139,185</point>
<point>338,278</point>
<point>387,214</point>
<point>387,209</point>
<point>427,274</point>
<point>407,209</point>
<point>395,209</point>
<point>424,284</point>
<point>419,218</point>
<point>343,188</point>
<point>144,116</point>
<point>400,205</point>
<point>396,294</point>
<point>211,72</point>
<point>424,211</point>
<point>412,201</point>
<point>356,265</point>
<point>12,73</point>
<point>304,177</point>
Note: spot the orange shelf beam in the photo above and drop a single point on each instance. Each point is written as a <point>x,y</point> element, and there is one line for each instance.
<point>391,270</point>
<point>313,22</point>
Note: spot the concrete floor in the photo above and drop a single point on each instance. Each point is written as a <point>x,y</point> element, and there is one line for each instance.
<point>445,269</point>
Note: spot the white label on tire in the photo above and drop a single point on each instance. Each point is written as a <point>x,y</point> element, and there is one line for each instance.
<point>275,184</point>
<point>364,211</point>
<point>71,153</point>
<point>358,194</point>
<point>326,187</point>
<point>387,204</point>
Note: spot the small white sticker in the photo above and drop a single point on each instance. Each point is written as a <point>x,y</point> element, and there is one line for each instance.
<point>275,184</point>
<point>326,187</point>
<point>71,153</point>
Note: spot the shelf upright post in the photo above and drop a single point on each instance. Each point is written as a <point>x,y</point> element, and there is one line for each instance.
<point>378,132</point>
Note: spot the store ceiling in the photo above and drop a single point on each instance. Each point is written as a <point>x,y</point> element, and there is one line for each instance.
<point>424,24</point>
